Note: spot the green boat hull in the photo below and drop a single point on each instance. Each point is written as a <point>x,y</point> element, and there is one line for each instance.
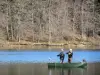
<point>67,65</point>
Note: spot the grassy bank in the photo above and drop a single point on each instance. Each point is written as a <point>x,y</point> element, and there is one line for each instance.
<point>50,45</point>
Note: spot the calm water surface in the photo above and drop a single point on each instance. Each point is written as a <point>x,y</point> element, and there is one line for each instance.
<point>35,63</point>
<point>42,69</point>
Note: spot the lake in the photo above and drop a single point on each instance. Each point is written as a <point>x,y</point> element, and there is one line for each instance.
<point>35,62</point>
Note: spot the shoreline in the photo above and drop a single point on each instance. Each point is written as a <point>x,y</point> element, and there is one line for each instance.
<point>24,45</point>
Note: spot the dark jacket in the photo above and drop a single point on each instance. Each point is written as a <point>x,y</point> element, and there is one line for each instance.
<point>70,54</point>
<point>61,55</point>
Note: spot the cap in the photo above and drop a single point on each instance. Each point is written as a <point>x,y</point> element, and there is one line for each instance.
<point>70,50</point>
<point>62,49</point>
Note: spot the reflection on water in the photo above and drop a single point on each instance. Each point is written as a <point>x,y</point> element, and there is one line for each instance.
<point>60,70</point>
<point>75,71</point>
<point>42,69</point>
<point>69,72</point>
<point>23,69</point>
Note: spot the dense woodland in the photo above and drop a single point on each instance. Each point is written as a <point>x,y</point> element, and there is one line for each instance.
<point>49,20</point>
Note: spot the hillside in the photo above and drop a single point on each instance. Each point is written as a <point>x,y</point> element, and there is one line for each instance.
<point>53,21</point>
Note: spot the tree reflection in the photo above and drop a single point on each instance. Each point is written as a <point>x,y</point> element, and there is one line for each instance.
<point>62,71</point>
<point>59,71</point>
<point>12,70</point>
<point>69,72</point>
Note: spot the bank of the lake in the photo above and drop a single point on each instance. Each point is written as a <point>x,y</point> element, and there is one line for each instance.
<point>92,44</point>
<point>31,45</point>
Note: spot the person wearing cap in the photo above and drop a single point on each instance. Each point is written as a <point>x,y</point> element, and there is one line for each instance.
<point>70,55</point>
<point>61,56</point>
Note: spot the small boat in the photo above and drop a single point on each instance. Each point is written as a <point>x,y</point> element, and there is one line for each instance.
<point>67,65</point>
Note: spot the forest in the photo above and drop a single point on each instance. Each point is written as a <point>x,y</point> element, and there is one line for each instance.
<point>49,20</point>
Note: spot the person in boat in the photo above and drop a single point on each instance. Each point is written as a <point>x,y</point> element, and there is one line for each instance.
<point>70,55</point>
<point>61,55</point>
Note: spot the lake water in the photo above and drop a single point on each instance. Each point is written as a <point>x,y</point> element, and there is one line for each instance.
<point>35,63</point>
